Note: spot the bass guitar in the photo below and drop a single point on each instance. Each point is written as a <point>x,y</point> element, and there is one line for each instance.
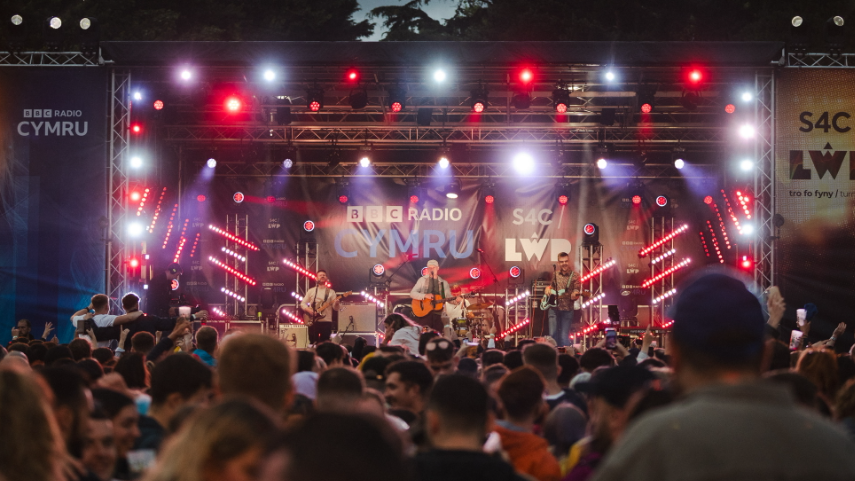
<point>551,300</point>
<point>423,307</point>
<point>320,313</point>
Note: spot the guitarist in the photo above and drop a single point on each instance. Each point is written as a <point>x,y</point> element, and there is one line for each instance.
<point>320,324</point>
<point>428,287</point>
<point>568,310</point>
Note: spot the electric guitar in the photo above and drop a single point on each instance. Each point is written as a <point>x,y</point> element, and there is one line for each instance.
<point>423,307</point>
<point>320,313</point>
<point>551,300</point>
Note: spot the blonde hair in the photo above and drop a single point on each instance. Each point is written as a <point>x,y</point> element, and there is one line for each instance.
<point>31,443</point>
<point>820,366</point>
<point>212,437</point>
<point>256,366</point>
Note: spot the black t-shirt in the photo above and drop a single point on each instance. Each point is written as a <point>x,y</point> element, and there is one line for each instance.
<point>159,296</point>
<point>454,465</point>
<point>571,396</point>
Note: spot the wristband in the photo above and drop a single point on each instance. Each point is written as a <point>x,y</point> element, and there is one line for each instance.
<point>833,338</point>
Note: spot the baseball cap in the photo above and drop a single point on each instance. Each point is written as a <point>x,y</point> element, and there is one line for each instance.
<point>717,315</point>
<point>616,384</point>
<point>175,268</point>
<point>433,263</point>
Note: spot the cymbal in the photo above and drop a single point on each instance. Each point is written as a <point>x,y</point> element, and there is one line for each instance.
<point>483,305</point>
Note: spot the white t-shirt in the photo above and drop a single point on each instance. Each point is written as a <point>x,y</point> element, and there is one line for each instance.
<point>101,320</point>
<point>455,312</point>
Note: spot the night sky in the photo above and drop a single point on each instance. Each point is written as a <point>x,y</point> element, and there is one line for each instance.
<point>437,9</point>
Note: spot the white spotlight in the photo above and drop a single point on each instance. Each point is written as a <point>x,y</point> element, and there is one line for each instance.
<point>186,74</point>
<point>747,96</point>
<point>747,229</point>
<point>135,229</point>
<point>679,163</point>
<point>746,165</point>
<point>523,163</point>
<point>602,163</point>
<point>610,76</point>
<point>136,162</point>
<point>797,21</point>
<point>212,162</point>
<point>137,95</point>
<point>55,23</point>
<point>269,75</point>
<point>364,161</point>
<point>439,75</point>
<point>746,131</point>
<point>443,162</point>
<point>287,163</point>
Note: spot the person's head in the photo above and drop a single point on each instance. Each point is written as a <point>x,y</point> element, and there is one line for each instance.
<point>20,347</point>
<point>323,277</point>
<point>99,447</point>
<point>845,402</point>
<point>173,271</point>
<point>259,367</point>
<point>563,262</point>
<point>305,361</point>
<point>820,366</point>
<point>133,369</point>
<point>521,392</point>
<point>177,381</point>
<point>845,367</point>
<point>339,389</point>
<point>569,368</point>
<point>101,304</point>
<point>468,367</point>
<point>131,302</point>
<point>492,375</point>
<point>490,357</point>
<point>397,321</point>
<point>71,404</point>
<point>56,353</point>
<point>423,340</point>
<point>80,349</point>
<point>142,342</point>
<point>32,443</point>
<point>206,339</point>
<point>513,360</point>
<point>322,448</point>
<point>37,355</point>
<point>91,370</point>
<point>24,327</point>
<point>718,331</point>
<point>544,358</point>
<point>440,356</point>
<point>374,372</point>
<point>457,408</point>
<point>433,267</point>
<point>564,426</point>
<point>122,411</point>
<point>224,442</point>
<point>331,353</point>
<point>803,390</point>
<point>103,355</point>
<point>407,385</point>
<point>594,358</point>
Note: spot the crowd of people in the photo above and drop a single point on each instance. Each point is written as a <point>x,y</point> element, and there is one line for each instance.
<point>723,399</point>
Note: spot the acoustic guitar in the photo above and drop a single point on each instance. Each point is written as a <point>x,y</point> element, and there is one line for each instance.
<point>423,307</point>
<point>320,313</point>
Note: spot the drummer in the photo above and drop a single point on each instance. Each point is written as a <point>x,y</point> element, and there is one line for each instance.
<point>457,309</point>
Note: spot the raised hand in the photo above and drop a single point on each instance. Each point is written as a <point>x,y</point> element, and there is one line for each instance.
<point>838,331</point>
<point>48,328</point>
<point>775,305</point>
<point>15,332</point>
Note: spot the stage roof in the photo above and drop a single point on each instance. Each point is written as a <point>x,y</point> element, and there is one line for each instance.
<point>624,54</point>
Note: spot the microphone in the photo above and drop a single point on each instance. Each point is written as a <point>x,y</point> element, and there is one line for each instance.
<point>480,250</point>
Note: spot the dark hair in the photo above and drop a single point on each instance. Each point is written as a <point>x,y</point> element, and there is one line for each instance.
<point>340,382</point>
<point>57,352</point>
<point>91,369</point>
<point>398,321</point>
<point>68,391</point>
<point>525,342</point>
<point>492,356</point>
<point>513,360</point>
<point>652,362</point>
<point>412,372</point>
<point>653,399</point>
<point>780,356</point>
<point>26,321</point>
<point>358,350</point>
<point>112,402</point>
<point>800,387</point>
<point>103,355</point>
<point>596,357</point>
<point>206,339</point>
<point>468,367</point>
<point>845,367</point>
<point>461,403</point>
<point>542,357</point>
<point>391,349</point>
<point>130,300</point>
<point>99,301</point>
<point>178,373</point>
<point>80,349</point>
<point>142,342</point>
<point>521,392</point>
<point>494,373</point>
<point>305,361</point>
<point>133,370</point>
<point>374,370</point>
<point>563,254</point>
<point>329,352</point>
<point>20,347</point>
<point>38,352</point>
<point>569,368</point>
<point>423,340</point>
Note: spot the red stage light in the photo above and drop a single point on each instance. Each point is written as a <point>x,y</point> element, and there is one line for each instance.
<point>136,128</point>
<point>526,76</point>
<point>201,198</point>
<point>646,108</point>
<point>730,108</point>
<point>134,263</point>
<point>238,197</point>
<point>342,199</point>
<point>562,199</point>
<point>315,106</point>
<point>396,106</point>
<point>233,104</point>
<point>414,199</point>
<point>589,229</point>
<point>708,200</point>
<point>561,108</point>
<point>478,107</point>
<point>636,199</point>
<point>135,196</point>
<point>271,199</point>
<point>352,75</point>
<point>746,262</point>
<point>474,272</point>
<point>515,272</point>
<point>661,201</point>
<point>696,76</point>
<point>308,226</point>
<point>158,105</point>
<point>489,199</point>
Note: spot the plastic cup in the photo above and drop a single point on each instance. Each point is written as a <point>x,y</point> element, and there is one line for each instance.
<point>184,311</point>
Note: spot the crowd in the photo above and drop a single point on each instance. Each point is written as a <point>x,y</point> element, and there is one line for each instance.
<point>725,399</point>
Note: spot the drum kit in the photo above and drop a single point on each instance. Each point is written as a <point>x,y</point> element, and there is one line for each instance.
<point>481,320</point>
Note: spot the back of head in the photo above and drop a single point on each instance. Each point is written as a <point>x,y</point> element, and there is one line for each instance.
<point>718,325</point>
<point>80,349</point>
<point>336,386</point>
<point>820,366</point>
<point>569,368</point>
<point>38,353</point>
<point>461,403</point>
<point>57,352</point>
<point>20,347</point>
<point>206,339</point>
<point>521,392</point>
<point>374,371</point>
<point>178,373</point>
<point>439,349</point>
<point>844,407</point>
<point>564,426</point>
<point>133,370</point>
<point>91,370</point>
<point>468,367</point>
<point>412,372</point>
<point>544,358</point>
<point>305,361</point>
<point>257,366</point>
<point>513,360</point>
<point>329,352</point>
<point>494,373</point>
<point>103,355</point>
<point>594,358</point>
<point>423,340</point>
<point>490,357</point>
<point>112,402</point>
<point>99,302</point>
<point>130,301</point>
<point>142,342</point>
<point>322,449</point>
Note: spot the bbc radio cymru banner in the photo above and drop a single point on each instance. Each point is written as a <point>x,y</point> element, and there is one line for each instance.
<point>52,194</point>
<point>815,191</point>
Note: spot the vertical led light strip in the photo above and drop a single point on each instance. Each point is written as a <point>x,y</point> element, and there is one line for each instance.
<point>743,200</point>
<point>723,227</point>
<point>195,244</point>
<point>715,242</point>
<point>170,225</point>
<point>730,211</point>
<point>704,242</point>
<point>157,211</point>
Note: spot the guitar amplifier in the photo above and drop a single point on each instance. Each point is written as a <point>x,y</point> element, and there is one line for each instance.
<point>363,315</point>
<point>295,335</point>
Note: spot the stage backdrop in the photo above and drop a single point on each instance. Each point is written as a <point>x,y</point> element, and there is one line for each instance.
<point>52,194</point>
<point>815,171</point>
<point>524,227</point>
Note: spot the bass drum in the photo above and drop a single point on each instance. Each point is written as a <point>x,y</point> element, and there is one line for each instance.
<point>405,310</point>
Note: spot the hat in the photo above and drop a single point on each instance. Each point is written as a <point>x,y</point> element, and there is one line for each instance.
<point>616,384</point>
<point>175,268</point>
<point>433,263</point>
<point>715,314</point>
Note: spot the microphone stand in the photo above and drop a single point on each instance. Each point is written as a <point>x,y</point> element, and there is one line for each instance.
<point>495,281</point>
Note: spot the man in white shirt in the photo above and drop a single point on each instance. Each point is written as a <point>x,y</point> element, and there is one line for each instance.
<point>320,323</point>
<point>99,312</point>
<point>455,309</point>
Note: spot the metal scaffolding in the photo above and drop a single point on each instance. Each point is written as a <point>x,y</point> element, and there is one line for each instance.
<point>117,179</point>
<point>764,181</point>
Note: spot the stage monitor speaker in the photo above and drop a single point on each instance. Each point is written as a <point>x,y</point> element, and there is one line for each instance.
<point>362,314</point>
<point>295,335</point>
<point>350,338</point>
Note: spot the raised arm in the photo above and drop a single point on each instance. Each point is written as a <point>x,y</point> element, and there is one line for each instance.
<point>126,318</point>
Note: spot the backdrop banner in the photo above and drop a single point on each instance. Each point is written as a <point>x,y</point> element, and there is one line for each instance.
<point>52,194</point>
<point>815,171</point>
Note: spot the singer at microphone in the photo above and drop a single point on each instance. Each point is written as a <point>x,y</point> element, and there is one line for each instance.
<point>567,310</point>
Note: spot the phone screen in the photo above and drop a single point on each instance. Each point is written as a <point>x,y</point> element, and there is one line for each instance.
<point>611,338</point>
<point>795,336</point>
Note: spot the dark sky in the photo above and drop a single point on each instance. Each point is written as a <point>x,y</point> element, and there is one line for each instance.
<point>437,9</point>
